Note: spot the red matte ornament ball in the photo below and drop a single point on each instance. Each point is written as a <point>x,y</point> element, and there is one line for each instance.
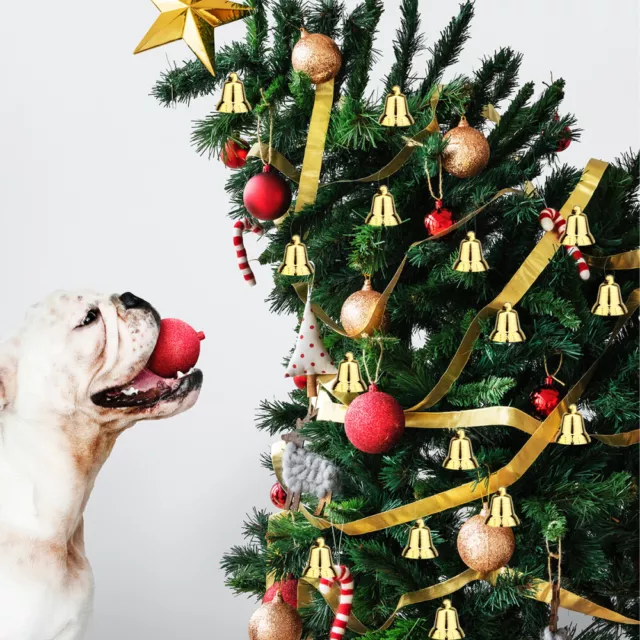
<point>267,196</point>
<point>177,348</point>
<point>545,399</point>
<point>374,421</point>
<point>278,496</point>
<point>234,154</point>
<point>440,219</point>
<point>288,590</point>
<point>300,381</point>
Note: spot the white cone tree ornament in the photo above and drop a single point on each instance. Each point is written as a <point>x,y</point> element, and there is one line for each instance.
<point>310,357</point>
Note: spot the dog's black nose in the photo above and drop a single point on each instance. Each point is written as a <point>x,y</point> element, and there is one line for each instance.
<point>133,302</point>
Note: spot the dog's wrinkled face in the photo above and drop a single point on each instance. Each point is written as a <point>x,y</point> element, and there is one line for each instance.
<point>86,352</point>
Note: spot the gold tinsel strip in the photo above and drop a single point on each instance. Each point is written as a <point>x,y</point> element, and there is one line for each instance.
<point>617,262</point>
<point>541,590</point>
<point>262,150</point>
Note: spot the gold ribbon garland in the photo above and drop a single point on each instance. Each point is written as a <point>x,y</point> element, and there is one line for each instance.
<point>261,150</point>
<point>540,590</point>
<point>617,262</point>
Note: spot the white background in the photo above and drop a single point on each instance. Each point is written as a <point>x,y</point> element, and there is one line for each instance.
<point>100,188</point>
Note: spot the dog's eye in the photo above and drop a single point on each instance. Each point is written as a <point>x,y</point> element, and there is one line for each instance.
<point>92,316</point>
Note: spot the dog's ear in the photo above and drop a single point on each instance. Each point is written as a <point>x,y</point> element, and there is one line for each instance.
<point>7,379</point>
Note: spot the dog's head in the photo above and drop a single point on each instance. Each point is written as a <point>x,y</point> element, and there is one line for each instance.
<point>85,353</point>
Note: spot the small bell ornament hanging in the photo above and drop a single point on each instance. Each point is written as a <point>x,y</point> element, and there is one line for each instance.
<point>420,545</point>
<point>396,110</point>
<point>460,456</point>
<point>295,262</point>
<point>234,99</point>
<point>507,327</point>
<point>470,258</point>
<point>349,379</point>
<point>383,210</point>
<point>467,151</point>
<point>577,233</point>
<point>572,429</point>
<point>447,625</point>
<point>501,511</point>
<point>320,564</point>
<point>609,302</point>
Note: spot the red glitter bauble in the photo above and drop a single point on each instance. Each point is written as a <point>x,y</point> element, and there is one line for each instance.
<point>278,496</point>
<point>374,421</point>
<point>267,196</point>
<point>177,349</point>
<point>234,154</point>
<point>438,220</point>
<point>288,590</point>
<point>300,381</point>
<point>545,399</point>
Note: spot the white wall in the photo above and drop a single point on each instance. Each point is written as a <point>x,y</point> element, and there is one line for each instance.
<point>99,187</point>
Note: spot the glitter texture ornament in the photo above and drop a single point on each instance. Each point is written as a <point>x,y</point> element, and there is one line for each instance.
<point>467,151</point>
<point>278,494</point>
<point>545,399</point>
<point>316,55</point>
<point>177,348</point>
<point>288,590</point>
<point>484,548</point>
<point>267,196</point>
<point>374,421</point>
<point>359,314</point>
<point>440,219</point>
<point>275,620</point>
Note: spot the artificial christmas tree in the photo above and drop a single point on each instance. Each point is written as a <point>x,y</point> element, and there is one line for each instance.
<point>458,377</point>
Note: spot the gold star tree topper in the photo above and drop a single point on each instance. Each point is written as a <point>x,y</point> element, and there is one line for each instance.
<point>193,21</point>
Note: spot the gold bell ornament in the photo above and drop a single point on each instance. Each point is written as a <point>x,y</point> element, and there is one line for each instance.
<point>460,456</point>
<point>447,625</point>
<point>349,379</point>
<point>234,99</point>
<point>609,301</point>
<point>577,233</point>
<point>383,210</point>
<point>507,327</point>
<point>396,110</point>
<point>296,261</point>
<point>470,258</point>
<point>572,429</point>
<point>420,545</point>
<point>501,511</point>
<point>320,563</point>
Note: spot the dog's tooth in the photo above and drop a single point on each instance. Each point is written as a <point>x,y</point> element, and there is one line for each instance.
<point>131,391</point>
<point>180,375</point>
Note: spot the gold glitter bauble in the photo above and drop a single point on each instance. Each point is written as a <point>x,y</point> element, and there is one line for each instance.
<point>467,153</point>
<point>359,314</point>
<point>316,55</point>
<point>275,620</point>
<point>484,548</point>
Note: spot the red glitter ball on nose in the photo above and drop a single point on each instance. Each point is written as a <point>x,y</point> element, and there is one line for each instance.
<point>177,349</point>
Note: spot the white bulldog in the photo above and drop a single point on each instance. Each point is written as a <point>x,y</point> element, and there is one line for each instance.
<point>72,379</point>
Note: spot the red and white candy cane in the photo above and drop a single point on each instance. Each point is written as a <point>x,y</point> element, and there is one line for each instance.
<point>551,220</point>
<point>343,613</point>
<point>239,228</point>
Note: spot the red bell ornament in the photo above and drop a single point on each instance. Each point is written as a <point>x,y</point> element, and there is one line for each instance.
<point>177,348</point>
<point>267,196</point>
<point>374,422</point>
<point>545,398</point>
<point>234,154</point>
<point>440,219</point>
<point>278,495</point>
<point>300,381</point>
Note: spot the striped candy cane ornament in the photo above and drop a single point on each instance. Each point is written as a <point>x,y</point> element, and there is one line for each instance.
<point>551,220</point>
<point>239,228</point>
<point>345,580</point>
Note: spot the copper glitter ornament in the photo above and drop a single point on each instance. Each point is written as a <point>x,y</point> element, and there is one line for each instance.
<point>467,151</point>
<point>275,620</point>
<point>484,548</point>
<point>359,314</point>
<point>316,55</point>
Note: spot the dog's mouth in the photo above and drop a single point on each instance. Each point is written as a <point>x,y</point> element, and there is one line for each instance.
<point>148,390</point>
